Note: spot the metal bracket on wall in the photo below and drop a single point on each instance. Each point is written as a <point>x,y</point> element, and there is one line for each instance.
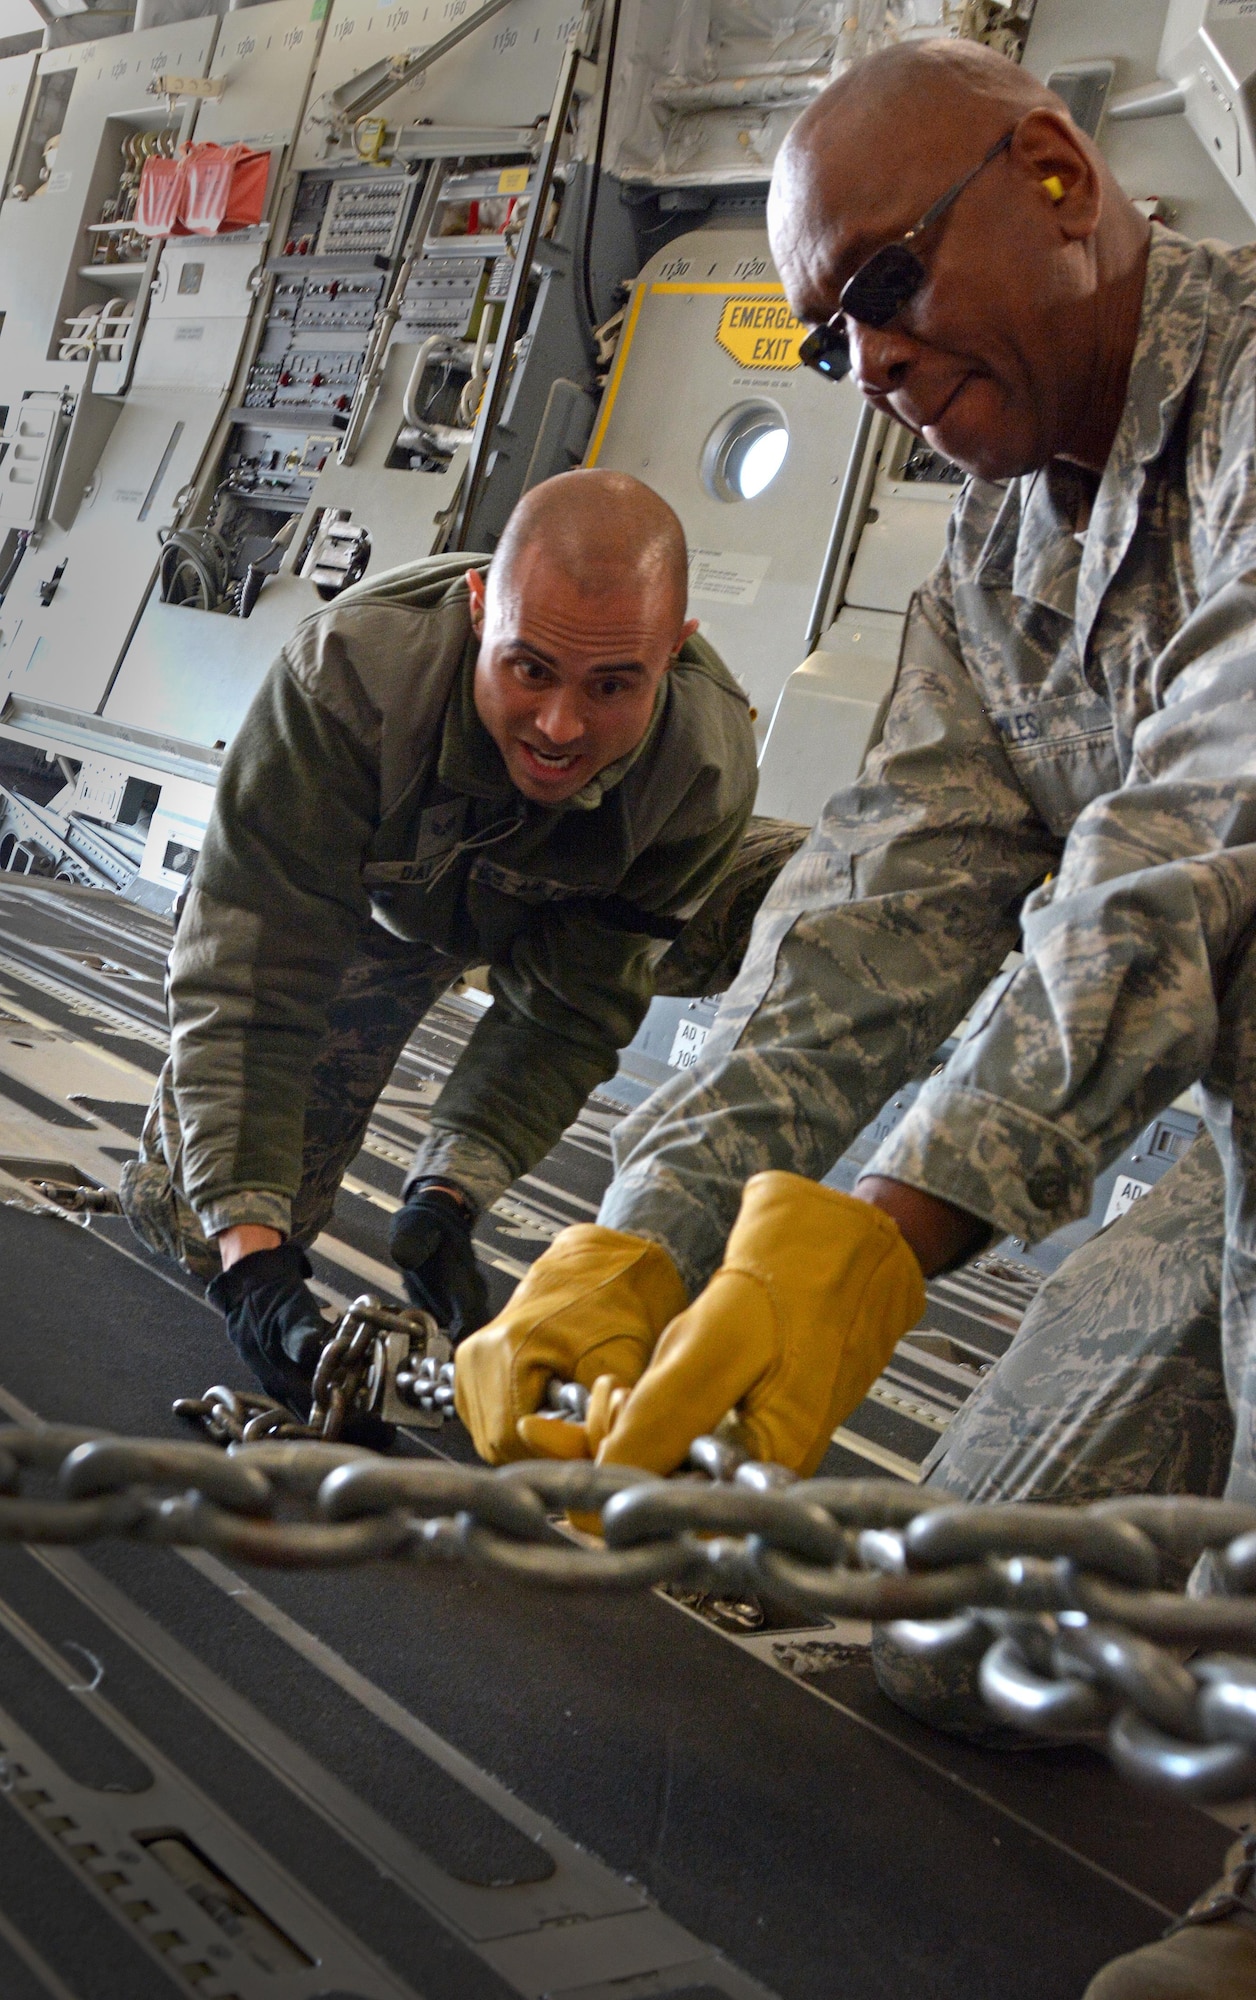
<point>512,312</point>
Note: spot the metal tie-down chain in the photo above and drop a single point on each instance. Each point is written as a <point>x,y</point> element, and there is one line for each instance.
<point>388,1362</point>
<point>1067,1600</point>
<point>391,1363</point>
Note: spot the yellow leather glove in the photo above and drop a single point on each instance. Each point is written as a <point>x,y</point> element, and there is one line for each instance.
<point>815,1291</point>
<point>593,1305</point>
<point>559,1437</point>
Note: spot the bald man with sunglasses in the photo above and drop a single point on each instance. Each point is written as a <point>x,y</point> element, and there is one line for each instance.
<point>1069,766</point>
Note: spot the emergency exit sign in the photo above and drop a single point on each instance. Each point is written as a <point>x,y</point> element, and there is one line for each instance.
<point>760,333</point>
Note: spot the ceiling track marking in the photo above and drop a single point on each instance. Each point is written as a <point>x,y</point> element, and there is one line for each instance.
<point>91,979</point>
<point>81,1003</point>
<point>879,1455</point>
<point>93,1049</point>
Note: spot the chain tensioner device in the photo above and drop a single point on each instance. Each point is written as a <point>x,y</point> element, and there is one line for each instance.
<point>392,1363</point>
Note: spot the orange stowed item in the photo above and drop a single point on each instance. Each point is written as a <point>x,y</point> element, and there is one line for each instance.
<point>160,192</point>
<point>207,190</point>
<point>224,188</point>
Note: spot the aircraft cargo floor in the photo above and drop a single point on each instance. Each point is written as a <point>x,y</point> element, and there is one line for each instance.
<point>399,1781</point>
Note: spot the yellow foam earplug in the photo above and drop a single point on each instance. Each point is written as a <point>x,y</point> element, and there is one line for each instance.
<point>1054,186</point>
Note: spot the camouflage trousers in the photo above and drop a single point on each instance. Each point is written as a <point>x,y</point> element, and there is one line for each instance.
<point>1114,1384</point>
<point>707,955</point>
<point>1135,1371</point>
<point>383,996</point>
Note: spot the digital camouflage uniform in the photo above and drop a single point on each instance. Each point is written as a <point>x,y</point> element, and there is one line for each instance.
<point>383,995</point>
<point>1069,753</point>
<point>366,845</point>
<point>1114,1383</point>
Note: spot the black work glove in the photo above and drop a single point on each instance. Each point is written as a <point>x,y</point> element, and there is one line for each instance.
<point>276,1328</point>
<point>274,1321</point>
<point>431,1242</point>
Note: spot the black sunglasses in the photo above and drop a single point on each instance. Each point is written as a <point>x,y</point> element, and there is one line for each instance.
<point>883,284</point>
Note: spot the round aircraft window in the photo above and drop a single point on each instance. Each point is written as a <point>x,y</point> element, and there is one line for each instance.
<point>745,451</point>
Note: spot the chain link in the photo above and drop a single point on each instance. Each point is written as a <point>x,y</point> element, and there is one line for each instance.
<point>381,1361</point>
<point>1066,1601</point>
<point>77,1198</point>
<point>387,1362</point>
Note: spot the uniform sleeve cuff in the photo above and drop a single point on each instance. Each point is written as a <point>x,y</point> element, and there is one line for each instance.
<point>997,1161</point>
<point>478,1169</point>
<point>664,1211</point>
<point>264,1211</point>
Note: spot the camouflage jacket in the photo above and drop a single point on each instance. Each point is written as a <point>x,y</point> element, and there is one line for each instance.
<point>363,787</point>
<point>1069,752</point>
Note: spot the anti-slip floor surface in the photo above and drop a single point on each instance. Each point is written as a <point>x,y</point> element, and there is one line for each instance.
<point>423,1781</point>
<point>308,1734</point>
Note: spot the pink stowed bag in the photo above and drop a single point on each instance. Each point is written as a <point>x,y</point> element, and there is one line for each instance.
<point>224,187</point>
<point>160,193</point>
<point>206,190</point>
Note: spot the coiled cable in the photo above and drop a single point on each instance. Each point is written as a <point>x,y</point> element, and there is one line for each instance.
<point>194,568</point>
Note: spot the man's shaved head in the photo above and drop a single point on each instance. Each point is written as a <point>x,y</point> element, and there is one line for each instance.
<point>931,105</point>
<point>579,620</point>
<point>1034,277</point>
<point>604,531</point>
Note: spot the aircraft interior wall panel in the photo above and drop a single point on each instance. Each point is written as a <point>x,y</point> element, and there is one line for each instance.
<point>264,55</point>
<point>707,89</point>
<point>1149,156</point>
<point>904,534</point>
<point>830,710</point>
<point>63,651</point>
<point>16,74</point>
<point>686,378</point>
<point>193,673</point>
<point>202,300</point>
<point>197,318</point>
<point>502,75</point>
<point>43,245</point>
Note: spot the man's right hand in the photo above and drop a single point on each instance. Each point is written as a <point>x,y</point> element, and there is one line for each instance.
<point>594,1305</point>
<point>273,1317</point>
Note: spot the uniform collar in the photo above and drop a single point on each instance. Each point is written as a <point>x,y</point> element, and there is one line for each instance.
<point>1171,335</point>
<point>470,762</point>
<point>1033,543</point>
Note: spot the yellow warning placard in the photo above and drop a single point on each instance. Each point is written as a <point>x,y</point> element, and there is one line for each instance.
<point>512,180</point>
<point>760,333</point>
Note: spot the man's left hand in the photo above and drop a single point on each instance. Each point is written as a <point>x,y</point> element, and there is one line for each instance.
<point>431,1242</point>
<point>276,1325</point>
